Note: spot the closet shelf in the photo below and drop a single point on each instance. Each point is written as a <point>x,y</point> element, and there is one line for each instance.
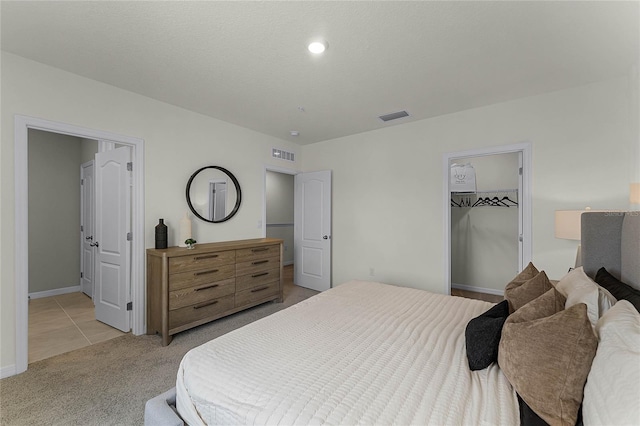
<point>492,191</point>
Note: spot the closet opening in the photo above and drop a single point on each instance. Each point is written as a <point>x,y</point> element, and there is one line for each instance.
<point>487,218</point>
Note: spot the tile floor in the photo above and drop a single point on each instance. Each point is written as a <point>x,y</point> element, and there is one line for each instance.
<point>60,324</point>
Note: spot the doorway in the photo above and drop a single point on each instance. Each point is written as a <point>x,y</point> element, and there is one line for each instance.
<point>486,249</point>
<point>62,251</point>
<point>279,210</point>
<point>311,224</point>
<point>22,126</point>
<point>516,160</point>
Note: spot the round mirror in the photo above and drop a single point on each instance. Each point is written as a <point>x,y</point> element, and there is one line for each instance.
<point>210,195</point>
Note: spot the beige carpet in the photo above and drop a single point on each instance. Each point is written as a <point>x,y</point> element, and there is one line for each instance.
<point>109,383</point>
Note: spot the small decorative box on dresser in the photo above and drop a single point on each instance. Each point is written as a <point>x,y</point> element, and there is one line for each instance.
<point>187,288</point>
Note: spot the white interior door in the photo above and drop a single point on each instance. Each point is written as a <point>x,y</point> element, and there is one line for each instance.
<point>312,230</point>
<point>87,203</point>
<point>217,200</point>
<point>112,266</point>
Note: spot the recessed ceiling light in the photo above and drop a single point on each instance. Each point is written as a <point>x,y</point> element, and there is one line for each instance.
<point>318,46</point>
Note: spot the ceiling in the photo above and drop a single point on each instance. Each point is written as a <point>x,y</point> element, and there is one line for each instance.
<point>246,62</point>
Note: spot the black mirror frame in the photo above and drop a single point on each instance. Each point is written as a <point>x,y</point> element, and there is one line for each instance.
<point>235,183</point>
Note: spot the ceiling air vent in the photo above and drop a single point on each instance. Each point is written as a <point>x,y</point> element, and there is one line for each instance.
<point>283,155</point>
<point>394,116</point>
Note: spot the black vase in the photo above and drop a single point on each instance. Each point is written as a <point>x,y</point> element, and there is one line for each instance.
<point>161,235</point>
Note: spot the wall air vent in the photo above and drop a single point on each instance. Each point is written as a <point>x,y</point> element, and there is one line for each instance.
<point>283,155</point>
<point>394,116</point>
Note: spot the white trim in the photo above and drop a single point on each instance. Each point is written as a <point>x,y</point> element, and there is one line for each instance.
<point>55,292</point>
<point>21,239</point>
<point>477,289</point>
<point>525,199</point>
<point>8,371</point>
<point>21,163</point>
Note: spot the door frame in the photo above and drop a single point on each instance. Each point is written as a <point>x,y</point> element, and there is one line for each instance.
<point>525,199</point>
<point>21,126</point>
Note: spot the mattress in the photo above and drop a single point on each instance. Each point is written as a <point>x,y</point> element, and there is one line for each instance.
<point>360,353</point>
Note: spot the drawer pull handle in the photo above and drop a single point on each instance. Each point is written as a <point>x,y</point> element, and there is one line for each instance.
<point>255,250</point>
<point>204,305</point>
<point>210,256</point>
<point>259,275</point>
<point>255,290</point>
<point>213,271</point>
<point>259,262</point>
<point>207,287</point>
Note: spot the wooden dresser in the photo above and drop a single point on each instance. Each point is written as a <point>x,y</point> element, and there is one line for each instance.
<point>187,288</point>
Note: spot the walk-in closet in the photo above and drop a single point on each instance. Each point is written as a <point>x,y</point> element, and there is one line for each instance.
<point>486,221</point>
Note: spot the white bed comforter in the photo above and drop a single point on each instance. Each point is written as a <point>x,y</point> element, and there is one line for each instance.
<point>361,353</point>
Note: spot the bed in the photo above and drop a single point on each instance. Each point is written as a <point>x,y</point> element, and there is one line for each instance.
<point>372,353</point>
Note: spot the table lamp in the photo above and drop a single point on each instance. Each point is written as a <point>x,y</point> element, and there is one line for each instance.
<point>567,227</point>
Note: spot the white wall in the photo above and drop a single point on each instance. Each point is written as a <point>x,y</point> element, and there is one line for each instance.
<point>88,150</point>
<point>484,240</point>
<point>177,142</point>
<point>54,211</point>
<point>582,139</point>
<point>279,212</point>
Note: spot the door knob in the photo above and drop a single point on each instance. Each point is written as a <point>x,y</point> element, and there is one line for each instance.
<point>96,244</point>
<point>326,237</point>
<point>89,238</point>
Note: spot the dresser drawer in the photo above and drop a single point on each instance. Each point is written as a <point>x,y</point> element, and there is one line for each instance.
<point>256,294</point>
<point>201,261</point>
<point>245,255</point>
<point>188,288</point>
<point>201,276</point>
<point>255,266</point>
<point>246,282</point>
<point>202,293</point>
<point>200,311</point>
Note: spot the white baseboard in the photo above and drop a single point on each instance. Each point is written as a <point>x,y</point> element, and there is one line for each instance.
<point>7,371</point>
<point>477,289</point>
<point>55,292</point>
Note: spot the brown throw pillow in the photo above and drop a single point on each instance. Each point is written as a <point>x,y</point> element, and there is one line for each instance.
<point>527,273</point>
<point>546,354</point>
<point>520,293</point>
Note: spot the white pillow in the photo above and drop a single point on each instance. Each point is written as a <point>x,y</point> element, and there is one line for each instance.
<point>577,287</point>
<point>605,300</point>
<point>613,385</point>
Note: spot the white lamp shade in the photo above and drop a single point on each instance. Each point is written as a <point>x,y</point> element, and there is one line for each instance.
<point>634,193</point>
<point>567,224</point>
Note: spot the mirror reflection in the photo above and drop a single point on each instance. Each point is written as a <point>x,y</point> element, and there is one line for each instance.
<point>213,194</point>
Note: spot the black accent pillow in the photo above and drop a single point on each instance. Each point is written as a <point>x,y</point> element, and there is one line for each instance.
<point>528,417</point>
<point>617,288</point>
<point>482,336</point>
